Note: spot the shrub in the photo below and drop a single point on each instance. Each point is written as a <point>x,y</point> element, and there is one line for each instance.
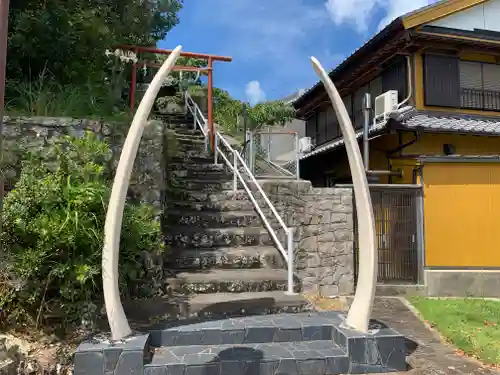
<point>53,233</point>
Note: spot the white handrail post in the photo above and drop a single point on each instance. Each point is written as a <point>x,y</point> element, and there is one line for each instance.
<point>235,171</point>
<point>251,160</point>
<point>207,139</point>
<point>297,159</point>
<point>216,146</point>
<point>194,117</point>
<point>289,232</point>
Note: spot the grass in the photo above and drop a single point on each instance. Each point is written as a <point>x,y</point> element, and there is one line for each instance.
<point>45,97</point>
<point>472,325</point>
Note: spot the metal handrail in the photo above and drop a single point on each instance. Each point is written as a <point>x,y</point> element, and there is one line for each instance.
<point>237,164</point>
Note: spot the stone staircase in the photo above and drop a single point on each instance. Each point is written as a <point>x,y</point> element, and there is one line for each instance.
<point>237,318</point>
<point>222,256</point>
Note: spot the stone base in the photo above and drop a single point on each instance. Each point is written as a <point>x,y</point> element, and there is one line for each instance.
<point>288,344</point>
<point>100,356</point>
<point>462,283</point>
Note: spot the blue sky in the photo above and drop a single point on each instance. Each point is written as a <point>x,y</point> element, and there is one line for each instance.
<point>271,40</point>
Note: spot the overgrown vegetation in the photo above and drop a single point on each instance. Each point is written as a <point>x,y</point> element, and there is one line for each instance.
<point>57,61</point>
<point>53,235</point>
<point>472,325</point>
<point>68,37</point>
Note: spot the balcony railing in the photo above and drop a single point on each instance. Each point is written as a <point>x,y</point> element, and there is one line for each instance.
<point>487,100</point>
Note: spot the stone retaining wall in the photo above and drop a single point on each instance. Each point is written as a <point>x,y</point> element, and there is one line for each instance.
<point>323,222</point>
<point>22,134</point>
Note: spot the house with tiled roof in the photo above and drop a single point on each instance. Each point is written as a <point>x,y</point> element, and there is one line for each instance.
<point>431,144</point>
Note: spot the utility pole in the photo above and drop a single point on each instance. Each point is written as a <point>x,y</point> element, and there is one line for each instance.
<point>4,29</point>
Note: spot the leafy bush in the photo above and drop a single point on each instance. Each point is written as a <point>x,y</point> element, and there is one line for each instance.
<point>53,233</point>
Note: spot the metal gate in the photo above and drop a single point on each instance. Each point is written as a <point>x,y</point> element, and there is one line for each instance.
<point>399,232</point>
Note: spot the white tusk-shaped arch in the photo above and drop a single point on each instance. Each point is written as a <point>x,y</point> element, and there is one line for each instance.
<point>117,320</point>
<point>361,308</point>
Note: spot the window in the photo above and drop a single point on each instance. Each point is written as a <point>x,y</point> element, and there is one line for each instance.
<point>311,127</point>
<point>441,80</point>
<point>332,124</point>
<point>479,85</point>
<point>358,106</point>
<point>348,104</point>
<point>451,82</point>
<point>321,129</point>
<point>376,89</point>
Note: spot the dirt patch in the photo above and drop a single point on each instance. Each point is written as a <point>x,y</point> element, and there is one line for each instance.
<point>37,354</point>
<point>323,303</point>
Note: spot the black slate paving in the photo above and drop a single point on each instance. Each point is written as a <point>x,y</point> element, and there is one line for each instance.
<point>253,329</point>
<point>309,357</point>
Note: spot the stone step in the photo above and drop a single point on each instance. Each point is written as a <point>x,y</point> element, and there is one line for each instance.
<point>196,137</point>
<point>209,174</point>
<point>186,130</point>
<point>212,206</point>
<point>205,197</point>
<point>314,343</point>
<point>188,154</point>
<point>200,185</point>
<point>223,305</point>
<point>198,308</point>
<point>182,237</point>
<point>285,358</point>
<point>190,147</point>
<point>226,257</point>
<point>212,219</point>
<point>181,124</point>
<point>192,157</point>
<point>230,281</point>
<point>194,167</point>
<point>256,329</point>
<point>173,120</point>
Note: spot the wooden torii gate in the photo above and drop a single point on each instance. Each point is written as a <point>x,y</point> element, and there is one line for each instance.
<point>208,70</point>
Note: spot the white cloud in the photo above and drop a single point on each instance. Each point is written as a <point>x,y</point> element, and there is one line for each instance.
<point>359,13</point>
<point>254,93</point>
<point>274,39</point>
<point>266,29</point>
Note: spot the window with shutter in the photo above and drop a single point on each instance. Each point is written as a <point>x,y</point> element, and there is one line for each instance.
<point>348,104</point>
<point>471,84</point>
<point>332,124</point>
<point>441,80</point>
<point>375,89</point>
<point>358,107</point>
<point>311,125</point>
<point>395,78</point>
<point>479,85</point>
<point>321,134</point>
<point>491,86</point>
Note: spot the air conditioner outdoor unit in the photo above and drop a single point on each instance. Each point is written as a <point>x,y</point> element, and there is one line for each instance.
<point>305,144</point>
<point>385,103</point>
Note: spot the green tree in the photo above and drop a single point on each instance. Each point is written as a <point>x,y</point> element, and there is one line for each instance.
<point>228,112</point>
<point>68,37</point>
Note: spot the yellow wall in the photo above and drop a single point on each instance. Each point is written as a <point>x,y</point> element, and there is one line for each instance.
<point>419,83</point>
<point>462,214</point>
<point>432,144</point>
<point>429,144</point>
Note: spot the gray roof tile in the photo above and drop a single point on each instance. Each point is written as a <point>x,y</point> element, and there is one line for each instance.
<point>450,123</point>
<point>432,122</point>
